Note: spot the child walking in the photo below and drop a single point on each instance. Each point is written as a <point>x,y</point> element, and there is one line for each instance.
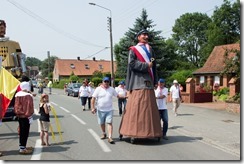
<point>44,109</point>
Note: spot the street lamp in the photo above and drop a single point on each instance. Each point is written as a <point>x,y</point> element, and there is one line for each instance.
<point>111,41</point>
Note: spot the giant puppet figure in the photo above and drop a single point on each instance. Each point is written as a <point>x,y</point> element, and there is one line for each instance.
<point>141,118</point>
<point>13,59</point>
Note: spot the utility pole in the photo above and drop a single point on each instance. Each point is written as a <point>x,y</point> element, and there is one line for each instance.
<point>111,40</point>
<point>49,67</point>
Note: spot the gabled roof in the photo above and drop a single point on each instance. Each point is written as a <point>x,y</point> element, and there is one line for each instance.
<point>33,68</point>
<point>215,62</point>
<point>64,67</point>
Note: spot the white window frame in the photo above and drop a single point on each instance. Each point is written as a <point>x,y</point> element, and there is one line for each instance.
<point>216,80</point>
<point>202,79</point>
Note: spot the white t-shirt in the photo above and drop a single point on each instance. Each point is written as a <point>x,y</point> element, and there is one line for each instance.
<point>83,91</point>
<point>104,98</point>
<point>90,90</point>
<point>121,91</point>
<point>175,91</point>
<point>162,103</point>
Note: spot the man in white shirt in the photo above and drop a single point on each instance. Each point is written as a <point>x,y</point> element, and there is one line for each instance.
<point>104,94</point>
<point>161,94</point>
<point>175,96</point>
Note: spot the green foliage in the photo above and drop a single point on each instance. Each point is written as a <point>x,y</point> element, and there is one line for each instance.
<point>32,61</point>
<point>180,76</point>
<point>232,64</point>
<point>48,66</point>
<point>73,78</point>
<point>189,33</point>
<point>60,84</point>
<point>225,26</point>
<point>236,98</point>
<point>223,97</point>
<point>97,74</point>
<point>222,94</point>
<point>96,80</point>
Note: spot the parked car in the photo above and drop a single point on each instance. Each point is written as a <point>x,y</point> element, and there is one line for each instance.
<point>10,112</point>
<point>73,89</point>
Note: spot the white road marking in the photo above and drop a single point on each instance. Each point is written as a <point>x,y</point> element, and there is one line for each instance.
<point>38,148</point>
<point>54,103</point>
<point>100,142</point>
<point>37,151</point>
<point>65,109</point>
<point>78,119</point>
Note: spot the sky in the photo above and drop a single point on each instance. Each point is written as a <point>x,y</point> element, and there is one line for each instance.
<point>72,28</point>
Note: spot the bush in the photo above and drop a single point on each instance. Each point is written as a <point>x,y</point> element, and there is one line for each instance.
<point>235,99</point>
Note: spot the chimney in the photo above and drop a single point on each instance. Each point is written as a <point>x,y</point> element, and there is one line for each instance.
<point>94,59</point>
<point>78,58</point>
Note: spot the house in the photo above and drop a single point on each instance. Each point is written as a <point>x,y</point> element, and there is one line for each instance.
<point>32,71</point>
<point>210,72</point>
<point>63,68</point>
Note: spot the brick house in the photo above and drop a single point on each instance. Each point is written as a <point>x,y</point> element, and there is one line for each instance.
<point>210,72</point>
<point>81,68</point>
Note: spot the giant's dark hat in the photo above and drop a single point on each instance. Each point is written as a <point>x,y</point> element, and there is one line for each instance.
<point>2,22</point>
<point>144,31</point>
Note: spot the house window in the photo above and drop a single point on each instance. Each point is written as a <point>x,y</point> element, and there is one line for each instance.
<point>216,80</point>
<point>202,79</point>
<point>86,66</point>
<point>72,66</point>
<point>100,66</point>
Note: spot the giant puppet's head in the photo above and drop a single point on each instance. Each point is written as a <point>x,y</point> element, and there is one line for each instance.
<point>2,28</point>
<point>142,36</point>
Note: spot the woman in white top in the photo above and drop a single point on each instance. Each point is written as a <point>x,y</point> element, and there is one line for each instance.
<point>83,94</point>
<point>91,90</point>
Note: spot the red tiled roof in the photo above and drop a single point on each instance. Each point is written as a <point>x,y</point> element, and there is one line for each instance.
<point>215,62</point>
<point>64,67</point>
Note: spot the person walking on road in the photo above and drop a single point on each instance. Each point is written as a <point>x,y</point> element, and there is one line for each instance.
<point>161,94</point>
<point>141,118</point>
<point>175,96</point>
<point>122,93</point>
<point>83,94</point>
<point>103,96</point>
<point>24,109</point>
<point>44,109</point>
<point>50,85</point>
<point>91,90</point>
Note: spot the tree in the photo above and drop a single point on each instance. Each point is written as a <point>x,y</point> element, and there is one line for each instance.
<point>48,66</point>
<point>232,64</point>
<point>189,32</point>
<point>225,26</point>
<point>32,61</point>
<point>74,78</point>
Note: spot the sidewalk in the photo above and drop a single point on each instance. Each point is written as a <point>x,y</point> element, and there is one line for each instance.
<point>208,105</point>
<point>210,122</point>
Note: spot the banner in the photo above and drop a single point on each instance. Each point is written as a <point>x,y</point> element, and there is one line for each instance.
<point>8,87</point>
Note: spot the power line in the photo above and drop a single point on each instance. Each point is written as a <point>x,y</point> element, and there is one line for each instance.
<point>96,53</point>
<point>45,22</point>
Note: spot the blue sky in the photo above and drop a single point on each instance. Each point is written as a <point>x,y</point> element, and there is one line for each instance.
<point>72,28</point>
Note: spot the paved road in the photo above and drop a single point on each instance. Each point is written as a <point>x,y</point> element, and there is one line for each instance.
<point>195,123</point>
<point>207,121</point>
